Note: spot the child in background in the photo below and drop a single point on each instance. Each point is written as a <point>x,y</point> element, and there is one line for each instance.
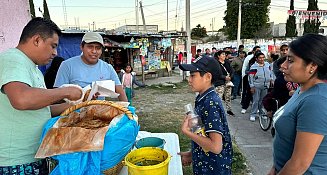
<point>217,158</point>
<point>127,78</point>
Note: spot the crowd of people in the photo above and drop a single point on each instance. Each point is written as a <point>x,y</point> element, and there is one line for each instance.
<point>296,77</point>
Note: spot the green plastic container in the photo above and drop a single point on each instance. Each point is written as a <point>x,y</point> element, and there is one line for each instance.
<point>150,142</point>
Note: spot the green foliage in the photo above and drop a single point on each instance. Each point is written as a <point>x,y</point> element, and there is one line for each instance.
<point>32,9</point>
<point>238,166</point>
<point>291,27</point>
<point>198,32</point>
<point>312,25</point>
<point>254,19</point>
<point>291,23</point>
<point>46,13</point>
<point>213,38</point>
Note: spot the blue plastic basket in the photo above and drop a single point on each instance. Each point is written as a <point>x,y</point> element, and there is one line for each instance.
<point>150,142</point>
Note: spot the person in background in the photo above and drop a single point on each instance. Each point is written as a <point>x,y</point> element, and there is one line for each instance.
<point>84,69</point>
<point>180,58</point>
<point>283,53</point>
<point>51,72</point>
<point>25,103</point>
<point>222,85</point>
<point>237,64</point>
<point>213,51</point>
<point>246,94</point>
<point>128,79</point>
<point>240,48</point>
<point>260,79</point>
<point>300,146</point>
<point>207,52</point>
<point>198,53</point>
<point>217,142</point>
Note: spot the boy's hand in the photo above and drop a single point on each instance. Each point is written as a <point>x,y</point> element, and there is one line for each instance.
<point>185,125</point>
<point>252,90</point>
<point>186,158</point>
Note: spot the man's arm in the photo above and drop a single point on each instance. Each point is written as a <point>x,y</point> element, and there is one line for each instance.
<point>57,109</point>
<point>121,92</point>
<point>24,97</point>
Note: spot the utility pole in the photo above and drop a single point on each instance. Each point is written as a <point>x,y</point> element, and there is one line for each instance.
<point>65,12</point>
<point>137,15</point>
<point>211,26</point>
<point>239,23</point>
<point>188,32</point>
<point>143,19</point>
<point>167,15</point>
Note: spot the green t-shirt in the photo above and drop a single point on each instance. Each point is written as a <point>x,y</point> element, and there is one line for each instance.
<point>20,130</point>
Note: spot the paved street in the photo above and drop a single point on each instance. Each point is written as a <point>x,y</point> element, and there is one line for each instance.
<point>255,144</point>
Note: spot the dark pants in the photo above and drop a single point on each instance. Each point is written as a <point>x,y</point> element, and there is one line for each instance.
<point>237,83</point>
<point>246,93</point>
<point>34,168</point>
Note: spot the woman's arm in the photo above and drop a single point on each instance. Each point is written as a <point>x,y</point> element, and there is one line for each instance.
<point>305,149</point>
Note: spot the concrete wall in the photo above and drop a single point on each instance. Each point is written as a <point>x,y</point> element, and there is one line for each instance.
<point>14,15</point>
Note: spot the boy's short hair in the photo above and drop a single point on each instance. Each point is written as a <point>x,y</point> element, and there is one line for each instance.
<point>203,64</point>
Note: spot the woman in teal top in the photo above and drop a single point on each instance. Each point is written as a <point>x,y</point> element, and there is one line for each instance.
<point>300,146</point>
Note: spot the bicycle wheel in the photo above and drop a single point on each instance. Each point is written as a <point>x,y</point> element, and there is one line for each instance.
<point>264,120</point>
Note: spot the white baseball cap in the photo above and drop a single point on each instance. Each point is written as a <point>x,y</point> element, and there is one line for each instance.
<point>92,37</point>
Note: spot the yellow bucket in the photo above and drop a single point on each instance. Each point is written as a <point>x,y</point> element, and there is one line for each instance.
<point>148,161</point>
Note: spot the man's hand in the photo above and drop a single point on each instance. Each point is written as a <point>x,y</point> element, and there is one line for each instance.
<point>74,93</point>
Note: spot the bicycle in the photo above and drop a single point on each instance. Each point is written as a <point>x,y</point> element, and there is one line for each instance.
<point>266,117</point>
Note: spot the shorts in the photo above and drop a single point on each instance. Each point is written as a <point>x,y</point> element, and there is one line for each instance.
<point>35,168</point>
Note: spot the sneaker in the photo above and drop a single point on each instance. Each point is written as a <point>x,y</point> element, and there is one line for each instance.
<point>252,118</point>
<point>230,113</point>
<point>243,111</point>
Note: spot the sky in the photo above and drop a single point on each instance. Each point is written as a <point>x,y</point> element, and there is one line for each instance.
<point>111,14</point>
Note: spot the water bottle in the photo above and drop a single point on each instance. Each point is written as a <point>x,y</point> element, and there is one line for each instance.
<point>195,122</point>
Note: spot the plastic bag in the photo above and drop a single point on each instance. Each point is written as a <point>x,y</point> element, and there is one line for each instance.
<point>118,141</point>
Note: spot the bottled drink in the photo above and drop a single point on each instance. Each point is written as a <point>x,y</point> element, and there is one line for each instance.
<point>195,122</point>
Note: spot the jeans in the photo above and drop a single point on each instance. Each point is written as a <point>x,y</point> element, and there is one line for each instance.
<point>237,83</point>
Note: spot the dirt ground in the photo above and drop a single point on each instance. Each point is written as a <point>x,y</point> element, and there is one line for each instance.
<point>161,109</point>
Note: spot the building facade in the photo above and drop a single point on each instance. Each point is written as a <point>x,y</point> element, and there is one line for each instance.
<point>133,29</point>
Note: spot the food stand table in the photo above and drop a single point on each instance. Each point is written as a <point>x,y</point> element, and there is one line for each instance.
<point>172,146</point>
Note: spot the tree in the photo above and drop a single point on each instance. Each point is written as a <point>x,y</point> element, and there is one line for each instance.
<point>254,18</point>
<point>46,13</point>
<point>290,24</point>
<point>32,9</point>
<point>198,32</point>
<point>311,25</point>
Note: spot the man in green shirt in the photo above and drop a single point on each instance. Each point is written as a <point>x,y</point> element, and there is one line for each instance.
<point>25,103</point>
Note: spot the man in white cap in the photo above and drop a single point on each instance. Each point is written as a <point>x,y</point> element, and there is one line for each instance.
<point>84,69</point>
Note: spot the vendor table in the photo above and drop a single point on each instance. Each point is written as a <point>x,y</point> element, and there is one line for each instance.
<point>172,146</point>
